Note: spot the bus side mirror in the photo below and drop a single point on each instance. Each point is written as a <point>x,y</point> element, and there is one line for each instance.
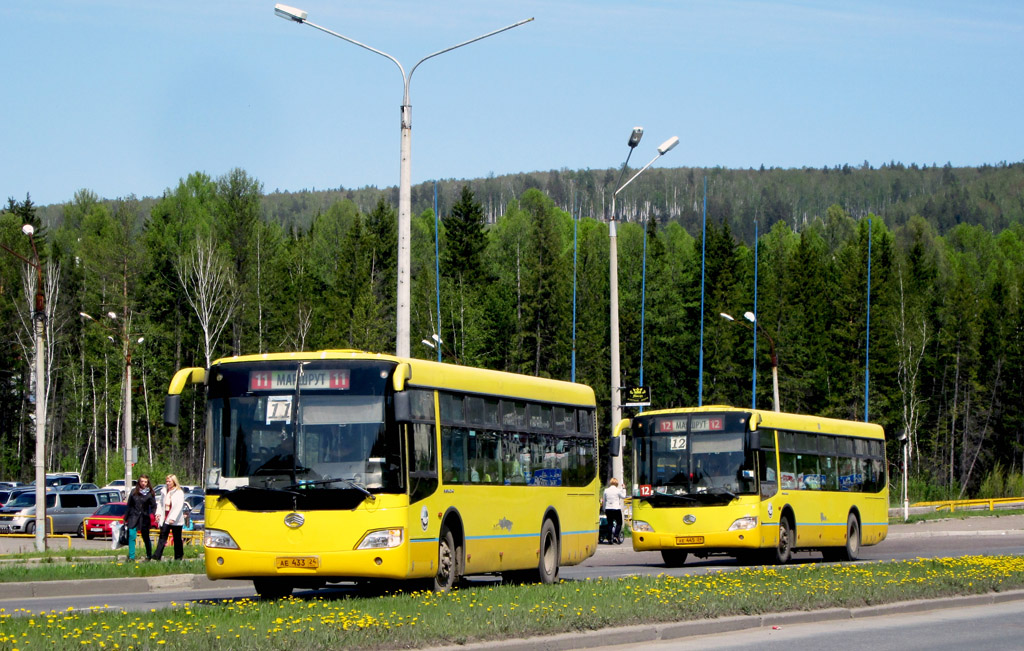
<point>172,407</point>
<point>403,373</point>
<point>615,446</point>
<point>403,407</point>
<point>754,440</point>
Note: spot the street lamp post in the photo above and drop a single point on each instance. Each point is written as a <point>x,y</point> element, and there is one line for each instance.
<point>613,289</point>
<point>405,172</point>
<point>126,351</point>
<point>39,317</point>
<point>749,316</point>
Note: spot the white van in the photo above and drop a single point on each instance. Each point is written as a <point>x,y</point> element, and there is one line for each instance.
<point>67,509</point>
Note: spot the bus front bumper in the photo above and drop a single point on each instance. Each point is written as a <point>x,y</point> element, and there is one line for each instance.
<point>644,541</point>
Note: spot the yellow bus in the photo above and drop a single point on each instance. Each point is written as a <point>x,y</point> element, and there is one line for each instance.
<point>342,465</point>
<point>757,485</point>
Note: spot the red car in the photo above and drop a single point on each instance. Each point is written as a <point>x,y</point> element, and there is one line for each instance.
<point>98,524</point>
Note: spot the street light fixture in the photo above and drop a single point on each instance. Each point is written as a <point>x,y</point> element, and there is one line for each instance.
<point>40,394</point>
<point>129,458</point>
<point>613,282</point>
<point>405,173</point>
<point>749,316</point>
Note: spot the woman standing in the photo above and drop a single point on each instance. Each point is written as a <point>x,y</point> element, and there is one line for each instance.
<point>171,517</point>
<point>141,505</point>
<point>614,496</point>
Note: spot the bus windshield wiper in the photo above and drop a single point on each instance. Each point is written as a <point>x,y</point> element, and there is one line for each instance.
<point>325,482</point>
<point>671,496</point>
<point>723,491</point>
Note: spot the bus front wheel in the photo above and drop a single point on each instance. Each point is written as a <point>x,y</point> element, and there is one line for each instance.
<point>271,588</point>
<point>673,557</point>
<point>784,550</point>
<point>447,563</point>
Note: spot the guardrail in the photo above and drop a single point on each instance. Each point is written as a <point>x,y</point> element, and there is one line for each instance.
<point>953,505</point>
<point>33,535</point>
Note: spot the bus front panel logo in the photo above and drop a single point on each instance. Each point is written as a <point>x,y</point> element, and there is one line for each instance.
<point>294,520</point>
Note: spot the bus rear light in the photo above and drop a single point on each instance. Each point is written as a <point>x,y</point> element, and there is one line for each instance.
<point>744,523</point>
<point>382,539</point>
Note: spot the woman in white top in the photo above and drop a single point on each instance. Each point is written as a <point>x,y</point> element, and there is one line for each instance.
<point>170,515</point>
<point>614,497</point>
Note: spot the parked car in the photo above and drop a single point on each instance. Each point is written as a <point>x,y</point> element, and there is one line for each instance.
<point>193,500</point>
<point>77,487</point>
<point>5,485</point>
<point>118,485</point>
<point>65,509</point>
<point>98,524</point>
<point>55,480</point>
<point>197,517</point>
<point>8,494</point>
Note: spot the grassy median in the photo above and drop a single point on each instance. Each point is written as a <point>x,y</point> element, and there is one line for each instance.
<point>418,619</point>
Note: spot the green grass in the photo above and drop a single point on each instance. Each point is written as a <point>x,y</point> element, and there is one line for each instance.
<point>419,619</point>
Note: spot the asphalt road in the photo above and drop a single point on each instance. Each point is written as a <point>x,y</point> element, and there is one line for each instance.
<point>988,535</point>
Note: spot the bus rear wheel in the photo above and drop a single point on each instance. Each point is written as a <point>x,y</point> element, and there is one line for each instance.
<point>673,557</point>
<point>271,588</point>
<point>447,563</point>
<point>852,550</point>
<point>547,564</point>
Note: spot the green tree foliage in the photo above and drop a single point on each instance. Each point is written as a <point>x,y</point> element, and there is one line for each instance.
<point>317,270</point>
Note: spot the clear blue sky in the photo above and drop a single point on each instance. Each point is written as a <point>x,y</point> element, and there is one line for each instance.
<point>128,96</point>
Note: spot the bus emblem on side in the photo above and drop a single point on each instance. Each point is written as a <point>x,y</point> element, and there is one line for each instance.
<point>689,518</point>
<point>294,520</point>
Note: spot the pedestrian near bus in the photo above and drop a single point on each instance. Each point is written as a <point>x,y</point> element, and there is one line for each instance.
<point>614,499</point>
<point>141,506</point>
<point>171,516</point>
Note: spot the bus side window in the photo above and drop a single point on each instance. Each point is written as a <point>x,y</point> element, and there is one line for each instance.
<point>769,473</point>
<point>422,461</point>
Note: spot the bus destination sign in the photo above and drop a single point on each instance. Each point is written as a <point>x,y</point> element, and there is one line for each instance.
<point>285,380</point>
<point>707,423</point>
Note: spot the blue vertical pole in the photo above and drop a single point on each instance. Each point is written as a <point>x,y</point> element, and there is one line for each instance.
<point>703,249</point>
<point>867,337</point>
<point>753,381</point>
<point>437,271</point>
<point>643,305</point>
<point>575,229</point>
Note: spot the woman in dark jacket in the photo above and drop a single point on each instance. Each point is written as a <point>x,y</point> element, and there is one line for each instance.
<point>141,506</point>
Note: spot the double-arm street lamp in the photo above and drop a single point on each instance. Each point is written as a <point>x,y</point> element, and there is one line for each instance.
<point>40,394</point>
<point>749,316</point>
<point>124,338</point>
<point>405,175</point>
<point>613,282</point>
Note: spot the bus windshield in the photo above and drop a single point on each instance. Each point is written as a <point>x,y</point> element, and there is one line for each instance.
<point>304,426</point>
<point>699,457</point>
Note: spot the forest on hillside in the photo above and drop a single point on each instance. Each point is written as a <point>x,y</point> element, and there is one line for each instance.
<point>217,266</point>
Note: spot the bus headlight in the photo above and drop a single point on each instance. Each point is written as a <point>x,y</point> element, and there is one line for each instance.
<point>382,539</point>
<point>640,525</point>
<point>744,523</point>
<point>219,539</point>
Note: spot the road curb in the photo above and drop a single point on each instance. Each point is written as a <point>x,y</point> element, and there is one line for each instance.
<point>628,635</point>
<point>127,585</point>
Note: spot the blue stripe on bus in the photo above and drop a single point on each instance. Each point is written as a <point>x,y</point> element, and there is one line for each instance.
<point>507,535</point>
<point>826,524</point>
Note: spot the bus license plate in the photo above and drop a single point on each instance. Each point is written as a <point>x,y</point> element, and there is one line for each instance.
<point>689,540</point>
<point>302,562</point>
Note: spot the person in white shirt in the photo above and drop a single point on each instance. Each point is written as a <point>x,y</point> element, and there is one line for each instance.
<point>170,515</point>
<point>614,497</point>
